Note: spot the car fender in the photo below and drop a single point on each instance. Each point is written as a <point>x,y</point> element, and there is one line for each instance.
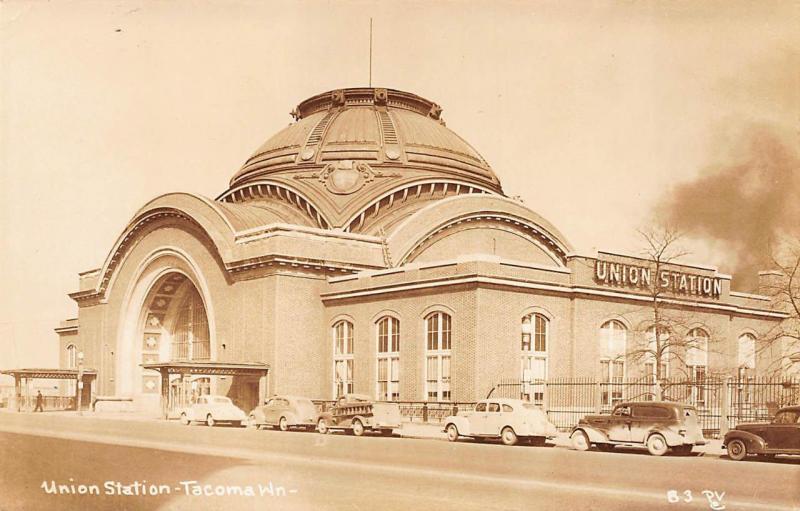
<point>365,421</point>
<point>593,434</point>
<point>328,418</point>
<point>672,437</point>
<point>461,424</point>
<point>291,418</point>
<point>753,443</point>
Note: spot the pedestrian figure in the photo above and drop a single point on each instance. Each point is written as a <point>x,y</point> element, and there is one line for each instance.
<point>39,402</point>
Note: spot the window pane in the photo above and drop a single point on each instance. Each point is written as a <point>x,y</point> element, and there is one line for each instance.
<point>433,332</point>
<point>540,333</point>
<point>446,331</point>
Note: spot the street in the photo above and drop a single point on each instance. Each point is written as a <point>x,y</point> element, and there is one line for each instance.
<point>237,468</point>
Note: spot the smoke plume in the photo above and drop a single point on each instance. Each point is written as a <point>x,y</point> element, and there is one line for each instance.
<point>743,203</point>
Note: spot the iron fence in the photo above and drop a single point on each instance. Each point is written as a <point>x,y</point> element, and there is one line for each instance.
<point>721,403</point>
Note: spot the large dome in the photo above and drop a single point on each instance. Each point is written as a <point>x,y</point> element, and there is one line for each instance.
<point>354,149</point>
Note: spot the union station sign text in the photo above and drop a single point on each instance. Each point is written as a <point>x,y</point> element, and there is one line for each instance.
<point>628,275</point>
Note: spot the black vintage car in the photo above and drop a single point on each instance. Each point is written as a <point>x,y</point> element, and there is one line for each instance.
<point>657,425</point>
<point>766,439</point>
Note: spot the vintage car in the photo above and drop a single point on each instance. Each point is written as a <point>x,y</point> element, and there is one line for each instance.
<point>356,414</point>
<point>506,419</point>
<point>285,412</point>
<point>657,425</point>
<point>212,410</point>
<point>781,436</point>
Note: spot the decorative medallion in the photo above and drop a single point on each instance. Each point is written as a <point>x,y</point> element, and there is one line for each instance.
<point>153,321</point>
<point>346,176</point>
<point>151,342</point>
<point>150,383</point>
<point>307,153</point>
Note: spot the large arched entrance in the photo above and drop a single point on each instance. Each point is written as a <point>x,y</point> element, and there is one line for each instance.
<point>172,326</point>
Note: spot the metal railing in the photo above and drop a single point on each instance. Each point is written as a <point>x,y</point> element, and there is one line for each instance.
<point>721,403</point>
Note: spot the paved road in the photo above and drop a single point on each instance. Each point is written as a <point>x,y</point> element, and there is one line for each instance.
<point>342,472</point>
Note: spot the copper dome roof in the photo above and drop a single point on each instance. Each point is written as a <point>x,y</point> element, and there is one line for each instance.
<point>349,147</point>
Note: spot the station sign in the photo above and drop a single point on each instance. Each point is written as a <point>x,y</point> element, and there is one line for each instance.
<point>643,277</point>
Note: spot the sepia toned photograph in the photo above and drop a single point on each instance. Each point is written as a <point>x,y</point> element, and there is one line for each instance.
<point>412,255</point>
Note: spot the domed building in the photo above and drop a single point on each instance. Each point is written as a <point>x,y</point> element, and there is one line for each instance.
<point>365,248</point>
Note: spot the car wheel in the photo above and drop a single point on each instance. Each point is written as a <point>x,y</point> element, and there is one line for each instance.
<point>580,442</point>
<point>452,432</point>
<point>185,420</point>
<point>358,428</point>
<point>737,451</point>
<point>605,447</point>
<point>508,436</point>
<point>322,427</point>
<point>657,445</point>
<point>210,421</point>
<point>283,424</point>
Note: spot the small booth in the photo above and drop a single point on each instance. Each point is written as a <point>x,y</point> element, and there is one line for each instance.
<point>244,382</point>
<point>23,399</point>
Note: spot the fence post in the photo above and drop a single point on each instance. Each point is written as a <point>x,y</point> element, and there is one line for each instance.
<point>598,392</point>
<point>725,407</point>
<point>425,412</point>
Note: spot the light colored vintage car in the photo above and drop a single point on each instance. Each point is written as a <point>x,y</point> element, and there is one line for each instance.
<point>356,414</point>
<point>212,410</point>
<point>506,419</point>
<point>285,412</point>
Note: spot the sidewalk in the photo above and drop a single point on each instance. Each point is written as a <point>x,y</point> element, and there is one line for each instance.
<point>421,430</point>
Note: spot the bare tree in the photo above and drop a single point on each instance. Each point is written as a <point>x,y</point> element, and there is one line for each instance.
<point>782,285</point>
<point>669,337</point>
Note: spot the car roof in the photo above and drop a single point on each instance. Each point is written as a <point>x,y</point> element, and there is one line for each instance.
<point>504,400</point>
<point>666,404</point>
<point>289,397</point>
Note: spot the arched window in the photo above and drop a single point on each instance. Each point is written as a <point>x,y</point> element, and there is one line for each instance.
<point>613,343</point>
<point>657,351</point>
<point>72,356</point>
<point>438,327</point>
<point>342,358</point>
<point>190,336</point>
<point>388,382</point>
<point>697,364</point>
<point>534,356</point>
<point>747,354</point>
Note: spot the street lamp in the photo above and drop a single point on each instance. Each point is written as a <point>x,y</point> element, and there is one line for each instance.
<point>80,381</point>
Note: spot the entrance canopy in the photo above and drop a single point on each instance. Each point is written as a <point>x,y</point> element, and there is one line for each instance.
<point>52,374</point>
<point>210,368</point>
<point>207,368</point>
<point>26,375</point>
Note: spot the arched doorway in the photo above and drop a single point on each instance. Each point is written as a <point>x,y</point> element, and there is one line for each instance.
<point>168,320</point>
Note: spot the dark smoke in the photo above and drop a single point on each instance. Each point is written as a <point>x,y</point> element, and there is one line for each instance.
<point>744,203</point>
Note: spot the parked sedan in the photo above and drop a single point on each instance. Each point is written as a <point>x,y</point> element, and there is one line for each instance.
<point>212,410</point>
<point>657,425</point>
<point>506,419</point>
<point>781,436</point>
<point>285,412</point>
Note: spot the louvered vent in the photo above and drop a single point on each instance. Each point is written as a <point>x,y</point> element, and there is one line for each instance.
<point>387,126</point>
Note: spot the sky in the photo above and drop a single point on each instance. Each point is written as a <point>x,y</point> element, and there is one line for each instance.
<point>592,112</point>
